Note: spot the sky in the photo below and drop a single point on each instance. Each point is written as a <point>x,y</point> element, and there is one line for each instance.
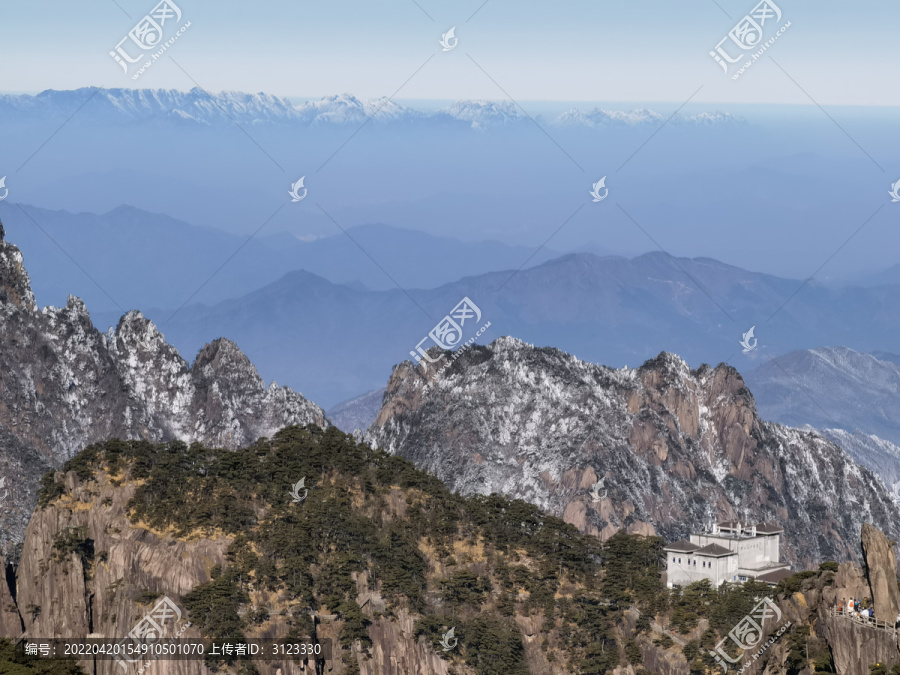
<point>643,50</point>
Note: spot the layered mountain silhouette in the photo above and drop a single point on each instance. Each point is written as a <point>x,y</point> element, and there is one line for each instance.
<point>147,260</point>
<point>340,341</point>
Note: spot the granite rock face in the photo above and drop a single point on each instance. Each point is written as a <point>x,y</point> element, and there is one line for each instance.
<point>881,566</point>
<point>675,448</point>
<point>67,594</point>
<point>64,385</point>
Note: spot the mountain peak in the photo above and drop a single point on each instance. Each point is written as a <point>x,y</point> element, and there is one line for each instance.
<point>15,286</point>
<point>65,385</point>
<point>677,447</point>
<point>223,358</point>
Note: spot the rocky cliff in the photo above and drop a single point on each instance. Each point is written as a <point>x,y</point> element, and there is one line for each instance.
<point>382,560</point>
<point>376,556</point>
<point>63,385</point>
<point>881,572</point>
<point>675,448</point>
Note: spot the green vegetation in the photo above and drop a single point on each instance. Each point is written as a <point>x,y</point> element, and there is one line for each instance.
<point>74,540</point>
<point>473,564</point>
<point>881,669</point>
<point>723,607</point>
<point>798,658</point>
<point>795,583</point>
<point>13,663</point>
<point>373,513</point>
<point>147,597</point>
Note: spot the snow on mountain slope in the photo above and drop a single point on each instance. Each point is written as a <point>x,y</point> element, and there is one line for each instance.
<point>877,454</point>
<point>831,387</point>
<point>65,385</point>
<point>197,106</point>
<point>675,448</point>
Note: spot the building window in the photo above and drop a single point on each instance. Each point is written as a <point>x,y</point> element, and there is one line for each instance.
<point>679,561</point>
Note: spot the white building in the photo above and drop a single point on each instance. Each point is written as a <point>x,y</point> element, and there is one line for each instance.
<point>729,552</point>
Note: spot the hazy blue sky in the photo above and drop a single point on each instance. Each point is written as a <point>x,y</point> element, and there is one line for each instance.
<point>575,50</point>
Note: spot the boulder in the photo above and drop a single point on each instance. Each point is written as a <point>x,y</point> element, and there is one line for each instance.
<point>881,565</point>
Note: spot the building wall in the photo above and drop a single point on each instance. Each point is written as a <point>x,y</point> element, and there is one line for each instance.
<point>751,551</point>
<point>773,542</point>
<point>693,568</point>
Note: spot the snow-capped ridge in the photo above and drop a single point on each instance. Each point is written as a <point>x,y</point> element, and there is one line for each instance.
<point>198,107</point>
<point>66,385</point>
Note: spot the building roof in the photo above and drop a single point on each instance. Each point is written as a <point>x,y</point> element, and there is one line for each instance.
<point>775,576</point>
<point>683,546</point>
<point>769,528</point>
<point>765,565</point>
<point>714,551</point>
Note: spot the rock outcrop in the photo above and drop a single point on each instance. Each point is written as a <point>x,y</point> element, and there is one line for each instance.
<point>675,448</point>
<point>881,570</point>
<point>64,385</point>
<point>854,646</point>
<point>91,565</point>
<point>107,592</point>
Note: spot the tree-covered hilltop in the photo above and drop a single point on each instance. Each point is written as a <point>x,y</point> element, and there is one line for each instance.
<point>485,566</point>
<point>473,563</point>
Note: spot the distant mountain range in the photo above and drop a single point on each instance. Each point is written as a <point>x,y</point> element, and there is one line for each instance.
<point>150,260</point>
<point>358,413</point>
<point>337,341</point>
<point>200,108</point>
<point>851,398</point>
<point>877,454</point>
<point>831,387</point>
